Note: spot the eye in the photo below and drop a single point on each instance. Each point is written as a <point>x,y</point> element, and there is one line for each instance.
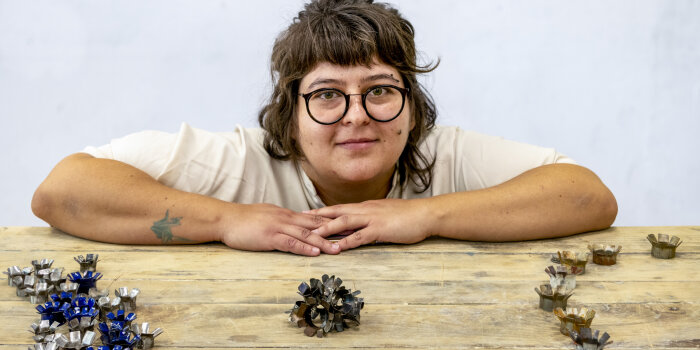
<point>326,95</point>
<point>378,91</point>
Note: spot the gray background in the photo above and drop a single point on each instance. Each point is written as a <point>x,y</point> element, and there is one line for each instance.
<point>613,84</point>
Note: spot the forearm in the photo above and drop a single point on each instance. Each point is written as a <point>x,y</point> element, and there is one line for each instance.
<point>110,201</point>
<point>549,201</point>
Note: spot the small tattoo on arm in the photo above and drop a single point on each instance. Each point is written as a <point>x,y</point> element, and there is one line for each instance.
<point>162,229</point>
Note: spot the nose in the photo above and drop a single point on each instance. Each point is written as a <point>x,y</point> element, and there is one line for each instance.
<point>356,113</point>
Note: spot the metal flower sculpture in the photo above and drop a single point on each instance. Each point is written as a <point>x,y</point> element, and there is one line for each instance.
<point>327,306</point>
<point>146,334</point>
<point>574,259</point>
<point>562,275</point>
<point>118,334</point>
<point>42,264</point>
<point>42,330</point>
<point>588,339</point>
<point>664,247</point>
<point>82,315</point>
<point>75,341</point>
<point>551,297</point>
<point>85,282</point>
<point>88,262</point>
<point>127,298</point>
<point>604,254</point>
<point>107,306</point>
<point>573,319</point>
<point>53,311</point>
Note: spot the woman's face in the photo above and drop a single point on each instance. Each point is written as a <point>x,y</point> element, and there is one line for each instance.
<point>357,149</point>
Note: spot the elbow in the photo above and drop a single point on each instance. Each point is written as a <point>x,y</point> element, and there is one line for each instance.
<point>42,203</point>
<point>606,209</point>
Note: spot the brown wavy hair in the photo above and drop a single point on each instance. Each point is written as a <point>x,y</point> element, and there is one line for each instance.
<point>347,33</point>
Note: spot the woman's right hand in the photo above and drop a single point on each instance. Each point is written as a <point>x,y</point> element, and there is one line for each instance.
<point>262,227</point>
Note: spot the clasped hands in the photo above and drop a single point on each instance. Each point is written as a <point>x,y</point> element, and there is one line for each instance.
<point>264,227</point>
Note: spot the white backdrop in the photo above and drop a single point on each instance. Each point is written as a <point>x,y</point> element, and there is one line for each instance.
<point>615,84</point>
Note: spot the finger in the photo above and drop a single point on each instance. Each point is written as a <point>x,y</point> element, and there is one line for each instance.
<point>341,224</point>
<point>290,244</point>
<point>311,221</point>
<point>333,211</point>
<point>306,235</point>
<point>356,239</point>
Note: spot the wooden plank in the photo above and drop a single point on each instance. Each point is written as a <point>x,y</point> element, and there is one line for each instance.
<point>172,264</point>
<point>632,239</point>
<point>406,326</point>
<point>154,292</point>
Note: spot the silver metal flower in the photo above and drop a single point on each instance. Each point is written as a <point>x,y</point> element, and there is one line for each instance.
<point>87,262</point>
<point>664,247</point>
<point>562,275</point>
<point>147,336</point>
<point>42,330</point>
<point>127,298</point>
<point>553,297</point>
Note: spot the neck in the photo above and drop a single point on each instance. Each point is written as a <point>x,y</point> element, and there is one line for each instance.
<point>339,192</point>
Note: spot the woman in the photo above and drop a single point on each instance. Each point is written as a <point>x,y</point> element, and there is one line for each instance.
<point>348,148</point>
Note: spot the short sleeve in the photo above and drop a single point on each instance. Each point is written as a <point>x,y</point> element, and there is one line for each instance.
<point>148,150</point>
<point>466,160</point>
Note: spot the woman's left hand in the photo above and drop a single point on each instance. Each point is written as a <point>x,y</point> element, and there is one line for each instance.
<point>384,220</point>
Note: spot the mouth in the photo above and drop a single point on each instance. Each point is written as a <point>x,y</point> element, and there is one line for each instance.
<point>357,144</point>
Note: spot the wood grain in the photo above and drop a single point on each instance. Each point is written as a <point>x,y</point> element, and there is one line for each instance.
<point>437,294</point>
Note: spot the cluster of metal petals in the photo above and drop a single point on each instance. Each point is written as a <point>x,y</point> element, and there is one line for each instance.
<point>588,339</point>
<point>72,301</point>
<point>327,306</point>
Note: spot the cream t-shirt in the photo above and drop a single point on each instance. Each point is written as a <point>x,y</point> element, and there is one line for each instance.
<point>234,166</point>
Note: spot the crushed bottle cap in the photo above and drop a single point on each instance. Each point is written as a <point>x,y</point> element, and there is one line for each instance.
<point>147,336</point>
<point>553,297</point>
<point>587,339</point>
<point>574,259</point>
<point>573,319</point>
<point>87,262</point>
<point>42,264</point>
<point>327,306</point>
<point>604,254</point>
<point>43,329</point>
<point>562,275</point>
<point>118,334</point>
<point>127,298</point>
<point>664,247</point>
<point>85,281</point>
<point>82,316</point>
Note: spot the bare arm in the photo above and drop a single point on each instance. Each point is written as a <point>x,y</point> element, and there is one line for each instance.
<point>548,201</point>
<point>110,201</point>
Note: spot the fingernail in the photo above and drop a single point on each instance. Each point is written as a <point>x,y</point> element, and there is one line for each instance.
<point>315,250</point>
<point>314,231</point>
<point>306,211</point>
<point>335,246</point>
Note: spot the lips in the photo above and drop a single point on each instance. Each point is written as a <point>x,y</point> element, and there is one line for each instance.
<point>361,140</point>
<point>357,144</point>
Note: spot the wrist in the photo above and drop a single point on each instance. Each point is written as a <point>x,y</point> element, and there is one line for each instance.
<point>431,214</point>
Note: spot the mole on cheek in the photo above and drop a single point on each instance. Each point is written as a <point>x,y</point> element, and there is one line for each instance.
<point>399,132</point>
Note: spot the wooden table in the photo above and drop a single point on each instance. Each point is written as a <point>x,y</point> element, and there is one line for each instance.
<point>436,294</point>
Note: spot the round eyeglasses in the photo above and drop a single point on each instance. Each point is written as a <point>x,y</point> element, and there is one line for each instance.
<point>383,103</point>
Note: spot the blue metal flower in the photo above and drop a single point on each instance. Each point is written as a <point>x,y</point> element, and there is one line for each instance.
<point>85,282</point>
<point>53,311</point>
<point>83,315</point>
<point>118,333</point>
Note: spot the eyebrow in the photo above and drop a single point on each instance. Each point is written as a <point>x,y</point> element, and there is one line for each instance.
<point>367,79</point>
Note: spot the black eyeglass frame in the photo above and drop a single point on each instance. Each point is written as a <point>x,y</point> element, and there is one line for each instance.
<point>403,92</point>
